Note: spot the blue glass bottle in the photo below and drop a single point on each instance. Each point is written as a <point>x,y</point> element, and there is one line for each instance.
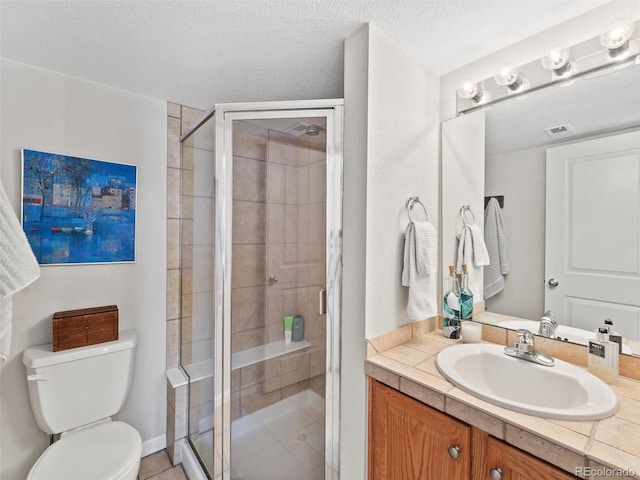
<point>466,296</point>
<point>451,307</point>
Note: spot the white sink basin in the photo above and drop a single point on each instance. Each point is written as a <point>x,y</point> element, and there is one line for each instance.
<point>563,391</point>
<point>571,334</point>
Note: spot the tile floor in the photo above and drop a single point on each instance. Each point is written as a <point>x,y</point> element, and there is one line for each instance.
<point>284,441</point>
<point>157,466</point>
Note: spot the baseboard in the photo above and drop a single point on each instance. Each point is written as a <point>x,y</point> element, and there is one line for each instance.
<point>154,445</point>
<point>190,464</point>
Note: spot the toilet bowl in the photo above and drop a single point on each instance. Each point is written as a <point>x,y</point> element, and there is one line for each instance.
<point>74,393</point>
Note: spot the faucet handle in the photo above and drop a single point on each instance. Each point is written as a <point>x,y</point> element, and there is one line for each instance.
<point>524,336</point>
<point>525,340</point>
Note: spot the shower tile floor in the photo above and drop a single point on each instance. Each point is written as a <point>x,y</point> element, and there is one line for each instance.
<point>284,441</point>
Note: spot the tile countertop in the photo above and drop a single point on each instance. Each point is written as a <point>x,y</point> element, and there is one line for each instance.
<point>574,446</point>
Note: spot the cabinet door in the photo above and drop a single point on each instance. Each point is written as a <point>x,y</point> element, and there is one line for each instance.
<point>410,441</point>
<point>509,463</point>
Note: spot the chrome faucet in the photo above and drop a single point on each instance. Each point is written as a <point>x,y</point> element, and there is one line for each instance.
<point>524,349</point>
<point>547,325</point>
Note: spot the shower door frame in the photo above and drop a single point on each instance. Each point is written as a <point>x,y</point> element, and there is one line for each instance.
<point>333,111</point>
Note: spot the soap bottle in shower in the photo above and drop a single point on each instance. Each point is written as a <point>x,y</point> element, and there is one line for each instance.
<point>466,296</point>
<point>602,357</point>
<point>451,307</point>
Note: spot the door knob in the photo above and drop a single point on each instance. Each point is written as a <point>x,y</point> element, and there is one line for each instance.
<point>495,473</point>
<point>553,283</point>
<point>454,452</point>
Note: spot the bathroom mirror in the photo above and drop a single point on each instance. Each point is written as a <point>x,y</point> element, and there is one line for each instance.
<point>566,161</point>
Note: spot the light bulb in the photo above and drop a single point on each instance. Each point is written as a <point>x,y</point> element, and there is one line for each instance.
<point>616,40</point>
<point>558,62</point>
<point>472,91</point>
<point>510,78</point>
<point>469,89</point>
<point>507,76</point>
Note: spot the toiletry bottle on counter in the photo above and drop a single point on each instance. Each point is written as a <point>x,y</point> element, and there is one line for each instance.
<point>613,335</point>
<point>602,357</point>
<point>466,296</point>
<point>451,307</point>
<point>288,328</point>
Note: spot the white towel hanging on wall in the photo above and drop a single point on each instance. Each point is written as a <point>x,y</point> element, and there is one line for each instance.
<point>496,241</point>
<point>471,247</point>
<point>18,267</point>
<point>419,266</point>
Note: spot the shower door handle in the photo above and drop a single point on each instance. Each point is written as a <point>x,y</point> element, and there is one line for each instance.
<point>322,302</point>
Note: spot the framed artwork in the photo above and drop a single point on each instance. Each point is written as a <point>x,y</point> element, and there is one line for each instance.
<point>78,211</point>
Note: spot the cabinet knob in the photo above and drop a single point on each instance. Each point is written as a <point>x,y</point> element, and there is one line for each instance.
<point>454,452</point>
<point>495,473</point>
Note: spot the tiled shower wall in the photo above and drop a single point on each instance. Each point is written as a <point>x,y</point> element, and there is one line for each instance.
<point>278,231</point>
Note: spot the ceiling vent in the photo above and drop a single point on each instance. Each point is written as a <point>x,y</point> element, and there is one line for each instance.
<point>560,131</point>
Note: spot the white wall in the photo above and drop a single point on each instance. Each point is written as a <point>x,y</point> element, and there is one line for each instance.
<point>353,386</point>
<point>402,161</point>
<point>463,180</point>
<point>46,111</point>
<point>521,177</point>
<point>391,153</point>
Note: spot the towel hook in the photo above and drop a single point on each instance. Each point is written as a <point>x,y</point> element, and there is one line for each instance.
<point>411,202</point>
<point>463,210</point>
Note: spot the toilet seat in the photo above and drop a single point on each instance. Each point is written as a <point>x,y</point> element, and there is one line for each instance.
<point>106,451</point>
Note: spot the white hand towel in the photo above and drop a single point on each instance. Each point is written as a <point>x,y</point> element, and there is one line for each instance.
<point>422,301</point>
<point>480,254</point>
<point>426,247</point>
<point>18,267</point>
<point>464,249</point>
<point>496,241</point>
<point>471,248</point>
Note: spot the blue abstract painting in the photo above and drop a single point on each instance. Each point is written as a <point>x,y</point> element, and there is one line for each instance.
<point>76,210</point>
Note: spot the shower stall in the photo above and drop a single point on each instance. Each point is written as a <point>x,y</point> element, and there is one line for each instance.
<point>261,231</point>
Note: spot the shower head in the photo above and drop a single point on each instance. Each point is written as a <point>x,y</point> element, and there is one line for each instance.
<point>313,130</point>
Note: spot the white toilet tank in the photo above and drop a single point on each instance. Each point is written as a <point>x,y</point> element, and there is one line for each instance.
<point>75,387</point>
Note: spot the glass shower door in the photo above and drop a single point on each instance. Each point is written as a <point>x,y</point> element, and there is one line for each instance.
<point>278,271</point>
<point>278,221</point>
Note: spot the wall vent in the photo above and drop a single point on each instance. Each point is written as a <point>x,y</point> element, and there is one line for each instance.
<point>560,131</point>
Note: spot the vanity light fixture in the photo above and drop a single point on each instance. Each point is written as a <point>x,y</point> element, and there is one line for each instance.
<point>472,91</point>
<point>510,78</point>
<point>617,48</point>
<point>558,62</point>
<point>616,40</point>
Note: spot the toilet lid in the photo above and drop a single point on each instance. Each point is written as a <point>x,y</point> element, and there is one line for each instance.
<point>101,452</point>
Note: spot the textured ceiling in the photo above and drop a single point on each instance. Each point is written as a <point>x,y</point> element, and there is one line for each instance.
<point>203,52</point>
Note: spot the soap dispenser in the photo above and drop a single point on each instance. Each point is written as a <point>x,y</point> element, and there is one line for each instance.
<point>602,357</point>
<point>613,335</point>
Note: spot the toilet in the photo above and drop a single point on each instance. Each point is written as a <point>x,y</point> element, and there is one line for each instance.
<point>74,393</point>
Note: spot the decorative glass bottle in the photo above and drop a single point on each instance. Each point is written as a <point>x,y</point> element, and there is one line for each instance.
<point>451,307</point>
<point>466,296</point>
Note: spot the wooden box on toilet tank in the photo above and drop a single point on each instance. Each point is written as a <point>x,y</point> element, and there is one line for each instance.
<point>86,326</point>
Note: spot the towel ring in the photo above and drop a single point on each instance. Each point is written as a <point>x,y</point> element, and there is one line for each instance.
<point>463,210</point>
<point>411,202</point>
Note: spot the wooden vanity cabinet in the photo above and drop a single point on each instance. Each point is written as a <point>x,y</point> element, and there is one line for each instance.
<point>493,459</point>
<point>411,441</point>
